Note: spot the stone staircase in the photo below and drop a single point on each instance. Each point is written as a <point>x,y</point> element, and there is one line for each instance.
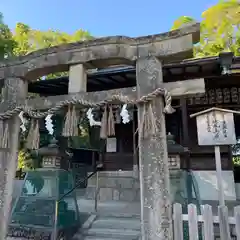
<point>102,227</point>
<point>118,207</point>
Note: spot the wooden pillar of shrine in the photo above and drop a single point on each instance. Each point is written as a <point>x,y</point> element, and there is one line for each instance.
<point>156,215</point>
<point>186,144</point>
<point>15,91</point>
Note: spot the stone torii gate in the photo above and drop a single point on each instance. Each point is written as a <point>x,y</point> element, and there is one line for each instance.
<point>147,54</point>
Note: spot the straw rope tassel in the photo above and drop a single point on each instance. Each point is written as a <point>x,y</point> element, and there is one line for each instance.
<point>111,123</point>
<point>104,123</point>
<point>168,109</point>
<point>5,136</point>
<point>1,132</point>
<point>74,122</point>
<point>66,132</point>
<point>33,137</point>
<point>148,124</point>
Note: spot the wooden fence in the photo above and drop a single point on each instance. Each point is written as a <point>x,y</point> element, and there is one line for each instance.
<point>202,226</point>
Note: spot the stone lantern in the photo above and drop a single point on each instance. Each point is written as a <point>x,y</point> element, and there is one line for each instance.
<point>174,152</point>
<point>53,157</point>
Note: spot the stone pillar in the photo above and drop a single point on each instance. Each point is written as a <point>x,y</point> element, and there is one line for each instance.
<point>77,79</point>
<point>156,214</point>
<point>15,90</point>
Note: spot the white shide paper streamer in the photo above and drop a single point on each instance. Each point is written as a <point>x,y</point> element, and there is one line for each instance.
<point>48,124</point>
<point>91,120</point>
<point>23,121</point>
<point>124,114</point>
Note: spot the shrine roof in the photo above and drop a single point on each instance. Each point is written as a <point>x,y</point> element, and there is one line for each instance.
<point>125,76</point>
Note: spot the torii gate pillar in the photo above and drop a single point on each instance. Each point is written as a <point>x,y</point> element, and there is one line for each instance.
<point>15,89</point>
<point>156,214</point>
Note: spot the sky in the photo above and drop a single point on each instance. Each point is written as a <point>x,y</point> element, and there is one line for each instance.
<point>102,17</point>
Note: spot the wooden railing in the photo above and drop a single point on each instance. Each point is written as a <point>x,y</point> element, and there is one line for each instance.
<point>193,226</point>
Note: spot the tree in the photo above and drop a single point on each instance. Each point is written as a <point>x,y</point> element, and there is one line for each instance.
<point>7,43</point>
<point>219,29</point>
<point>28,40</point>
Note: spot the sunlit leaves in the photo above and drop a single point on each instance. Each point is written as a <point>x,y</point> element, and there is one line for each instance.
<point>219,29</point>
<point>7,43</point>
<point>180,22</point>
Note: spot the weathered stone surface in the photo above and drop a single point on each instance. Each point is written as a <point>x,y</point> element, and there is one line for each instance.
<point>153,158</point>
<point>127,195</point>
<point>105,194</point>
<point>176,89</point>
<point>113,186</point>
<point>90,192</point>
<point>117,49</point>
<point>107,182</point>
<point>15,89</point>
<point>116,195</point>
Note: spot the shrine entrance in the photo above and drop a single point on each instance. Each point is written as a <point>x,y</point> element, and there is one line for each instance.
<point>151,96</point>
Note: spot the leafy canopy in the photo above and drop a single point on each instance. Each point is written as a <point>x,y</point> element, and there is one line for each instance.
<point>7,43</point>
<point>220,29</point>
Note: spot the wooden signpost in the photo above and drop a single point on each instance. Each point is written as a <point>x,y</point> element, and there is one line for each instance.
<point>215,127</point>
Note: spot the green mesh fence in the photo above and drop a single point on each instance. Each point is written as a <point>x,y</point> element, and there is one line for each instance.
<point>185,181</point>
<point>35,207</point>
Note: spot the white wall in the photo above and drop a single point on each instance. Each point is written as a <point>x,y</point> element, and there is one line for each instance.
<point>207,185</point>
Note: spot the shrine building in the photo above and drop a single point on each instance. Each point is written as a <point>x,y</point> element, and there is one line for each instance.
<point>118,154</point>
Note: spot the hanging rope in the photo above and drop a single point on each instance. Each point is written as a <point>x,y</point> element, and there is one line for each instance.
<point>33,137</point>
<point>72,117</point>
<point>119,98</point>
<point>104,122</point>
<point>111,122</point>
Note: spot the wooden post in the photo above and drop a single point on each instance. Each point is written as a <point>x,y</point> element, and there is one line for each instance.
<point>16,90</point>
<point>215,127</point>
<point>186,142</point>
<point>156,214</point>
<point>219,175</point>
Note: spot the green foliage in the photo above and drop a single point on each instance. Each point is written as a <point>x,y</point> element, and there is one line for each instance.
<point>22,41</point>
<point>236,160</point>
<point>29,40</point>
<point>25,161</point>
<point>7,43</point>
<point>182,21</point>
<point>219,29</point>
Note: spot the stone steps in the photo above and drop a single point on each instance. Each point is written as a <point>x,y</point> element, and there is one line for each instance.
<point>110,228</point>
<point>126,234</point>
<point>94,238</point>
<point>117,223</point>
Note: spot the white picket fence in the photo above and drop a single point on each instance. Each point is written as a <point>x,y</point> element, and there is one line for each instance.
<point>207,221</point>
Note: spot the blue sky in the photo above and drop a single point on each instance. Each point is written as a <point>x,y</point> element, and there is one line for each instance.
<point>101,17</point>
